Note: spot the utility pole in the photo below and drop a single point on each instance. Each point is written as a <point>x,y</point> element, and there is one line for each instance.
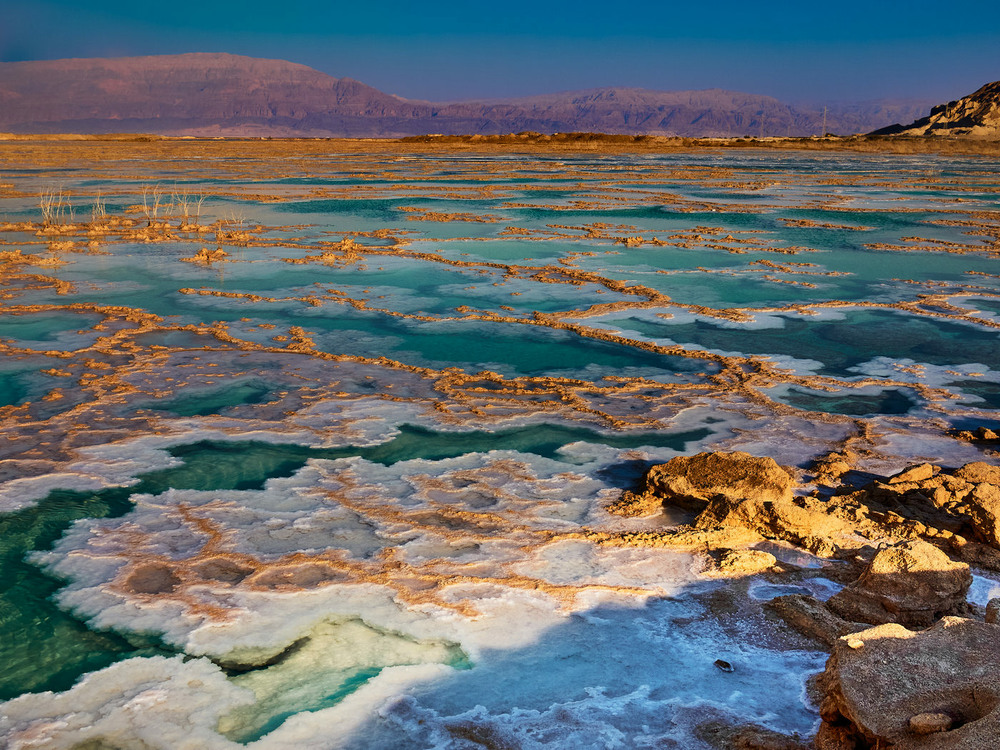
<point>823,134</point>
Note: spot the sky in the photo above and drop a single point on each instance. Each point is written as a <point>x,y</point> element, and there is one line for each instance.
<point>447,50</point>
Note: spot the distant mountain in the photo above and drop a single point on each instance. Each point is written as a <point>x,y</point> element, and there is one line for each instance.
<point>220,94</point>
<point>209,94</point>
<point>974,116</point>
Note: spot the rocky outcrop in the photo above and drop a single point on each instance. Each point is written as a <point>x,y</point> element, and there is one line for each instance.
<point>812,618</point>
<point>740,499</point>
<point>958,506</point>
<point>937,689</point>
<point>973,116</point>
<point>913,583</point>
<point>906,540</point>
<point>696,481</point>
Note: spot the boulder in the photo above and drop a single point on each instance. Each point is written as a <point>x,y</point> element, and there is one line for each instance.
<point>693,481</point>
<point>936,689</point>
<point>912,583</point>
<point>982,506</point>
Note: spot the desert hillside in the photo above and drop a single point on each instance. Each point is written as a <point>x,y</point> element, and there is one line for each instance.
<point>221,94</point>
<point>974,116</point>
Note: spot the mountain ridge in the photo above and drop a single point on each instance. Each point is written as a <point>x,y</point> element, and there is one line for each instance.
<point>223,94</point>
<point>974,116</point>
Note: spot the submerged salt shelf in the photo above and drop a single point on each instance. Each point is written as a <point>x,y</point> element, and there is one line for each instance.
<point>327,463</point>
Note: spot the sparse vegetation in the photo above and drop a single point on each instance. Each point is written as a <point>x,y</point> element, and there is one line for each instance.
<point>99,210</point>
<point>56,207</point>
<point>189,209</point>
<point>152,197</point>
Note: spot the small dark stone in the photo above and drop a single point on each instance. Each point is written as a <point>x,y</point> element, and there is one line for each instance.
<point>725,666</point>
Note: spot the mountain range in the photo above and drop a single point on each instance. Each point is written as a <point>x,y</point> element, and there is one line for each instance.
<point>221,94</point>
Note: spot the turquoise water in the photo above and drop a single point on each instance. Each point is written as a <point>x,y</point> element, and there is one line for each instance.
<point>46,648</point>
<point>843,344</point>
<point>891,401</point>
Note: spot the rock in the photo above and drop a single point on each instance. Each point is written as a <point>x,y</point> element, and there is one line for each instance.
<point>974,116</point>
<point>831,470</point>
<point>723,736</point>
<point>693,481</point>
<point>833,466</point>
<point>912,583</point>
<point>993,611</point>
<point>929,723</point>
<point>731,562</point>
<point>810,617</point>
<point>974,553</point>
<point>916,473</point>
<point>875,692</point>
<point>982,506</point>
<point>801,521</point>
<point>979,471</point>
<point>636,505</point>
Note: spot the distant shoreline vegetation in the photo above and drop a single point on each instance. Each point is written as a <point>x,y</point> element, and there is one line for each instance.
<point>904,144</point>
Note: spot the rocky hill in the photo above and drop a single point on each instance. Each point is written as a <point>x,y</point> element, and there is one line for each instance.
<point>974,116</point>
<point>193,93</point>
<point>220,94</point>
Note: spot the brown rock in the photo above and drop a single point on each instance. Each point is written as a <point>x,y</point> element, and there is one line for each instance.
<point>810,617</point>
<point>801,521</point>
<point>982,505</point>
<point>952,669</point>
<point>993,611</point>
<point>916,473</point>
<point>912,583</point>
<point>693,481</point>
<point>979,471</point>
<point>724,736</point>
<point>929,723</point>
<point>733,562</point>
<point>832,469</point>
<point>636,505</point>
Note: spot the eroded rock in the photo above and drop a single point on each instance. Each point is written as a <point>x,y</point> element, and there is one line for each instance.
<point>983,507</point>
<point>812,618</point>
<point>913,583</point>
<point>930,723</point>
<point>916,473</point>
<point>950,671</point>
<point>795,520</point>
<point>693,481</point>
<point>743,562</point>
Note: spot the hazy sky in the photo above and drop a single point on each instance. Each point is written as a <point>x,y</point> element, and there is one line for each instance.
<point>446,49</point>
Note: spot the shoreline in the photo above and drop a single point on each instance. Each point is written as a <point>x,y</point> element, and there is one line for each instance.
<point>560,142</point>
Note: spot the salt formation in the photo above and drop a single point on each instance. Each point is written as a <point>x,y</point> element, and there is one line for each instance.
<point>369,473</point>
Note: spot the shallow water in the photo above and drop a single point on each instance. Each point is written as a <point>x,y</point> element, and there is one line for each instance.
<point>320,483</point>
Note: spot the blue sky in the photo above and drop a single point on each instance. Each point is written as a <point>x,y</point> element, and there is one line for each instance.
<point>448,50</point>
